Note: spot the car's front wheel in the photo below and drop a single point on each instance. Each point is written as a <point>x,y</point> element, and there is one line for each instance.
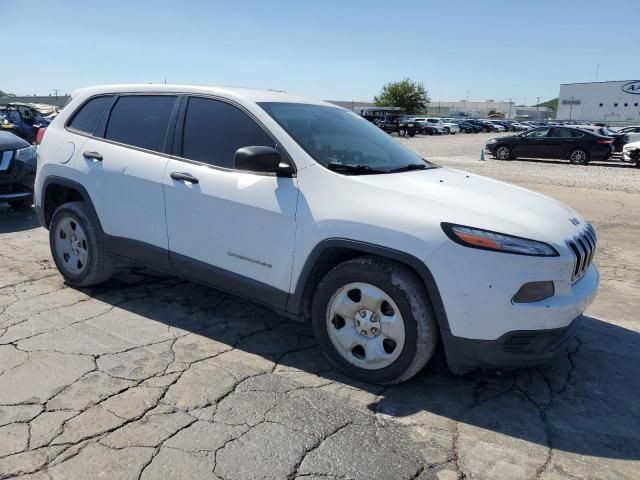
<point>77,247</point>
<point>579,157</point>
<point>373,320</point>
<point>503,152</point>
<point>402,132</point>
<point>447,131</point>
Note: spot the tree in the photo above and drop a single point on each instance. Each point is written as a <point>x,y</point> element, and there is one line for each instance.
<point>5,94</point>
<point>552,104</point>
<point>410,96</point>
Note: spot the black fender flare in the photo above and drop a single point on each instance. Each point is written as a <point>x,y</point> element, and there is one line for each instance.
<point>295,300</point>
<point>65,182</point>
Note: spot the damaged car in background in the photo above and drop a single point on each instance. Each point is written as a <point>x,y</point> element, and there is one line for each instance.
<point>24,119</point>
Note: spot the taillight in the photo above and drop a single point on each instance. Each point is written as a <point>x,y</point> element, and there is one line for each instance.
<point>40,135</point>
<point>604,142</point>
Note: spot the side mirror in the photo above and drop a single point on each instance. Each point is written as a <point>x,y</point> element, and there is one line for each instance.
<point>263,160</point>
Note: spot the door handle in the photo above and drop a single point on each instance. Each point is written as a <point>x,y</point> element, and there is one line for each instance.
<point>185,177</point>
<point>92,156</point>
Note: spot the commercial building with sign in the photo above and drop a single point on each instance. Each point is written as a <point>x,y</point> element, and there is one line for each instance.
<point>615,103</point>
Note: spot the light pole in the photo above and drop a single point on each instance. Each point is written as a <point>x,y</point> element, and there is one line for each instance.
<point>538,109</point>
<point>571,109</point>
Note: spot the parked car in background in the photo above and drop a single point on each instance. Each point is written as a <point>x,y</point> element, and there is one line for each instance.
<point>578,146</point>
<point>467,127</point>
<point>497,126</point>
<point>632,131</point>
<point>431,126</point>
<point>17,171</point>
<point>24,119</point>
<point>398,125</point>
<point>619,139</point>
<point>319,215</point>
<point>441,124</point>
<point>486,127</point>
<point>631,153</point>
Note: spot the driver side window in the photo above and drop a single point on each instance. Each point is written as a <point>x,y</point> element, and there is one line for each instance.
<point>215,130</point>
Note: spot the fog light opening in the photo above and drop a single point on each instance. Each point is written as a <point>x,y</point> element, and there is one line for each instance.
<point>534,292</point>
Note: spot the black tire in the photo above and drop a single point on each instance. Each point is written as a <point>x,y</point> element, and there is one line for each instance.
<point>412,133</point>
<point>405,288</point>
<point>100,263</point>
<point>579,156</point>
<point>503,152</point>
<point>447,131</point>
<point>402,132</point>
<point>19,205</point>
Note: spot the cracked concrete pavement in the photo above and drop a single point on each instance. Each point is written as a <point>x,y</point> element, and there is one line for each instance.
<point>152,377</point>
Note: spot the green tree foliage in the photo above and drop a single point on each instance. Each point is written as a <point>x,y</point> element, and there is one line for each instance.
<point>410,96</point>
<point>553,104</point>
<point>5,94</point>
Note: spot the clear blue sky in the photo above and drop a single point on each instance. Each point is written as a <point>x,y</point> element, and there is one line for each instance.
<point>329,49</point>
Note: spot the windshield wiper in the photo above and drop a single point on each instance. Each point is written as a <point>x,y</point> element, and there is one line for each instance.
<point>408,168</point>
<point>357,169</point>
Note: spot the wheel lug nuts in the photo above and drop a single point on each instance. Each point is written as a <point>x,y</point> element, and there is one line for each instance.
<point>357,323</point>
<point>374,330</point>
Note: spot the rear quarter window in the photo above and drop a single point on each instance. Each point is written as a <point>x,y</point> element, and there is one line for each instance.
<point>88,116</point>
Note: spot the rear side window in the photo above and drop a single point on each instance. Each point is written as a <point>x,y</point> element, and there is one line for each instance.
<point>576,134</point>
<point>562,133</point>
<point>87,118</point>
<point>141,121</point>
<point>214,131</point>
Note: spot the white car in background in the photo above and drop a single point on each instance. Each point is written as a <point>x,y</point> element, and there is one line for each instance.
<point>444,127</point>
<point>629,152</point>
<point>632,131</point>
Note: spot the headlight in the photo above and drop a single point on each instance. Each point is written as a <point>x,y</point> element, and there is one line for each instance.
<point>26,155</point>
<point>497,242</point>
<point>493,140</point>
<point>29,158</point>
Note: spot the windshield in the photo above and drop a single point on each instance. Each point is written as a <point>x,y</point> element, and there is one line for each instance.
<point>341,140</point>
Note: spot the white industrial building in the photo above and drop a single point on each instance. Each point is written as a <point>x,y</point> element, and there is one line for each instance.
<point>615,103</point>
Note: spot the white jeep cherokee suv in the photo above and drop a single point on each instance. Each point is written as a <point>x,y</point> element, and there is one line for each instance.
<point>307,208</point>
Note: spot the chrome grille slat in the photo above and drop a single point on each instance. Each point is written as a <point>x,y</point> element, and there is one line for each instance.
<point>583,247</point>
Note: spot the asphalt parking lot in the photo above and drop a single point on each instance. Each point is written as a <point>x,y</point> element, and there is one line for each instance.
<point>152,377</point>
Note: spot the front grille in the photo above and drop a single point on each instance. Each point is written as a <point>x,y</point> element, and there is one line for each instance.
<point>584,248</point>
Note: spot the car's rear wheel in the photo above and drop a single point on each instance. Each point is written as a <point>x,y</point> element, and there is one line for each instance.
<point>579,156</point>
<point>21,204</point>
<point>77,246</point>
<point>503,152</point>
<point>372,319</point>
<point>447,131</point>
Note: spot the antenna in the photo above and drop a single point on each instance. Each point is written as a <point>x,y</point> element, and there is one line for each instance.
<point>597,71</point>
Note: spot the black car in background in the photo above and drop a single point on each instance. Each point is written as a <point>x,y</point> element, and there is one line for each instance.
<point>484,125</point>
<point>17,171</point>
<point>620,139</point>
<point>467,127</point>
<point>564,143</point>
<point>399,125</point>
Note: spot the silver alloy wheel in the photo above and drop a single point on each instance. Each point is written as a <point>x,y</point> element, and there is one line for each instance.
<point>578,156</point>
<point>71,245</point>
<point>365,326</point>
<point>503,153</point>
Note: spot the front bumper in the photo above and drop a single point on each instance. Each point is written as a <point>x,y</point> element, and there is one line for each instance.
<point>484,325</point>
<point>517,349</point>
<point>12,188</point>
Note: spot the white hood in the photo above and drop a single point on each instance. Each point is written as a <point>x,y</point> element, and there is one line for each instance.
<point>447,195</point>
